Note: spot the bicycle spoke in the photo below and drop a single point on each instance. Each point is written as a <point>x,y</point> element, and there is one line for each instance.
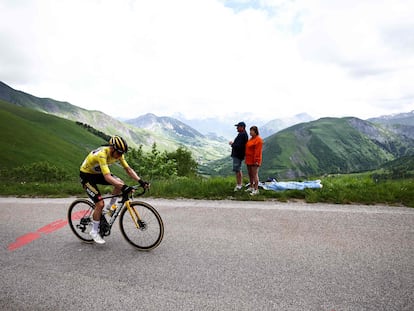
<point>80,219</point>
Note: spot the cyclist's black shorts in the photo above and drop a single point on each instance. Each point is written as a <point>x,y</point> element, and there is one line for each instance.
<point>90,183</point>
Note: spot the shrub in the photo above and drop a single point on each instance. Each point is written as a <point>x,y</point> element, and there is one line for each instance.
<point>37,172</point>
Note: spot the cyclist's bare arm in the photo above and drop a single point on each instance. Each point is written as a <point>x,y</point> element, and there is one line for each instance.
<point>134,175</point>
<point>130,171</point>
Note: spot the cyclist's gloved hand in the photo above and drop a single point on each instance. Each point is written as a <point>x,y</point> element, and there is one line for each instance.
<point>126,189</point>
<point>143,184</point>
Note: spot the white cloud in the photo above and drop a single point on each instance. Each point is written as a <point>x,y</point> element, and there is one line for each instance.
<point>213,58</point>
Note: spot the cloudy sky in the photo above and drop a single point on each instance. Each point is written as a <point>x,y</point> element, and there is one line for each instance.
<point>213,58</point>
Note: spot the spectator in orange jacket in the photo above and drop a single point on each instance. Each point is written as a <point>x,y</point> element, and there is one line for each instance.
<point>253,159</point>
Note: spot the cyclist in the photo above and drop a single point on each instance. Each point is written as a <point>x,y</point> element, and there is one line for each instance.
<point>95,170</point>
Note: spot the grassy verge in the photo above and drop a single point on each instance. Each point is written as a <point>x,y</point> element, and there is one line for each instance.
<point>338,189</point>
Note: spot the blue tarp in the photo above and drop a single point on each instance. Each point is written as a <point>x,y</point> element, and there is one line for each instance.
<point>290,185</point>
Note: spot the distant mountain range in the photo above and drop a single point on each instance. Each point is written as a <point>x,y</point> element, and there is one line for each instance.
<point>217,127</point>
<point>295,147</point>
<point>401,124</point>
<point>158,124</point>
<point>277,125</point>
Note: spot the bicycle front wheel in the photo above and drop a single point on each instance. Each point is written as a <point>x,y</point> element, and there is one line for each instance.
<point>150,230</point>
<point>80,219</point>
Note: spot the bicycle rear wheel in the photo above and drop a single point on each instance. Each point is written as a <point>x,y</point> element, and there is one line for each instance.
<point>80,219</point>
<point>151,228</point>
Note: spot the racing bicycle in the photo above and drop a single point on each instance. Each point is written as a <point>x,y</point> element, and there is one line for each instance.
<point>140,223</point>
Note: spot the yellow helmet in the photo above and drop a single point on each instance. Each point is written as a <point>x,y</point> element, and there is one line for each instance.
<point>119,144</point>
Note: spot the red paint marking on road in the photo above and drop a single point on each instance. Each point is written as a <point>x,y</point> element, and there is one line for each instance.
<point>53,226</point>
<point>30,237</point>
<point>79,215</point>
<point>23,240</point>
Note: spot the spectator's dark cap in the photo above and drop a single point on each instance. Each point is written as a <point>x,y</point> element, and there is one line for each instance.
<point>241,124</point>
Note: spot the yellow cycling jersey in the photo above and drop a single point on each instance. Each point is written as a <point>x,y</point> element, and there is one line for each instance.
<point>98,161</point>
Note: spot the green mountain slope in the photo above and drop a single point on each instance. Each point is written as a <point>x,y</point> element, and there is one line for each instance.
<point>202,148</point>
<point>29,136</point>
<point>332,145</point>
<point>65,110</point>
<point>400,168</point>
<point>29,101</point>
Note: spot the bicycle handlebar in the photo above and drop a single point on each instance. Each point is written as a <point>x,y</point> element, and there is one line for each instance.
<point>126,196</point>
<point>140,193</point>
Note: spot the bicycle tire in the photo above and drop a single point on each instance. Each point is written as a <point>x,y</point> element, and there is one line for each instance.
<point>80,219</point>
<point>147,237</point>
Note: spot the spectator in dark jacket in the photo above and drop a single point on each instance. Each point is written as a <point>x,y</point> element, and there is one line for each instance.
<point>238,151</point>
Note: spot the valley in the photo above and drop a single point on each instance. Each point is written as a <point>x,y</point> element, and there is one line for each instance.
<point>299,150</point>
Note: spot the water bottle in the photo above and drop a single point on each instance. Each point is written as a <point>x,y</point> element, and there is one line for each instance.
<point>112,210</point>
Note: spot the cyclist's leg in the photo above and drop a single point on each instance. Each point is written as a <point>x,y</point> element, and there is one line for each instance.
<point>89,183</point>
<point>116,191</point>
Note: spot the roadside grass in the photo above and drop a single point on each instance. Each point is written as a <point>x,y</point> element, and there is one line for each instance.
<point>361,188</point>
<point>41,189</point>
<point>337,189</point>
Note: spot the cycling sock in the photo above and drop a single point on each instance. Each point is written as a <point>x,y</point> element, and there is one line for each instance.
<point>95,225</point>
<point>111,202</point>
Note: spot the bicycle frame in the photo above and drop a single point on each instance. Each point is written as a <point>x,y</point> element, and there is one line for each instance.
<point>127,202</point>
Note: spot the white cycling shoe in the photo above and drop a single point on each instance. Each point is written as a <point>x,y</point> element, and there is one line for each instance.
<point>96,237</point>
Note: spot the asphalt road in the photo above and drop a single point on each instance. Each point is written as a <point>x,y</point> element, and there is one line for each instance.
<point>216,255</point>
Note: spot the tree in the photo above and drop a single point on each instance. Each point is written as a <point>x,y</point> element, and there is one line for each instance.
<point>157,164</point>
<point>154,164</point>
<point>136,159</point>
<point>185,164</point>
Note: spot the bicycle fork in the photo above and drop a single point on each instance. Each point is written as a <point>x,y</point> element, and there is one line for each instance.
<point>139,224</point>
